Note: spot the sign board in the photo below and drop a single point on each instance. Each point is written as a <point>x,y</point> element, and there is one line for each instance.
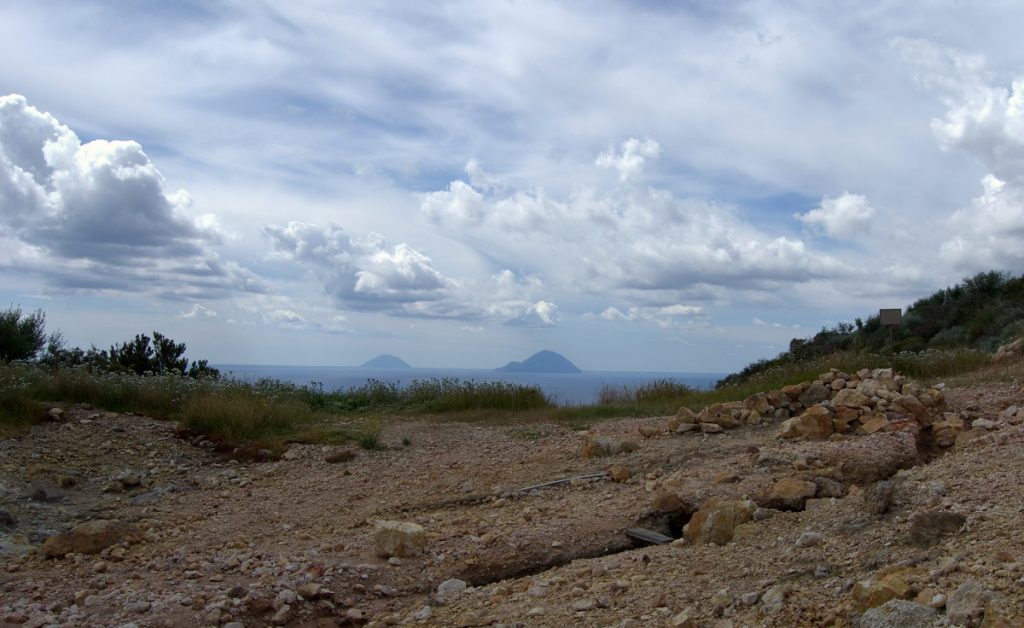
<point>892,316</point>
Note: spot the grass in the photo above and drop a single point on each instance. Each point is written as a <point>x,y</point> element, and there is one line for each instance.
<point>269,413</point>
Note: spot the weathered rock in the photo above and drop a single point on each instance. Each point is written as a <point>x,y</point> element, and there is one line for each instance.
<point>789,494</point>
<point>815,393</point>
<point>809,539</point>
<point>850,398</point>
<point>898,614</point>
<point>968,602</point>
<point>716,519</point>
<point>774,598</point>
<point>686,415</point>
<point>868,387</point>
<point>1010,350</point>
<point>667,502</point>
<point>914,406</point>
<point>874,423</point>
<point>684,619</point>
<point>874,457</point>
<point>618,473</point>
<point>398,538</point>
<point>648,431</point>
<point>814,424</point>
<point>926,529</point>
<point>725,415</point>
<point>711,428</point>
<point>878,497</point>
<point>450,587</point>
<point>794,391</point>
<point>967,437</point>
<point>888,584</point>
<point>758,403</point>
<point>605,446</point>
<point>91,537</point>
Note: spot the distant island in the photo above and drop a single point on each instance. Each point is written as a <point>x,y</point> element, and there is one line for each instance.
<point>386,362</point>
<point>541,362</point>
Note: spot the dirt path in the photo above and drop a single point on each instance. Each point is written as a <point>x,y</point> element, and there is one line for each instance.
<point>288,543</point>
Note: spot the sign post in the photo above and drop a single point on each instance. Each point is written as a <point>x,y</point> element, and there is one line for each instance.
<point>890,317</point>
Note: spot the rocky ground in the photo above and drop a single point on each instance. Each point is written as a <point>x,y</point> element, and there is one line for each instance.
<point>898,507</point>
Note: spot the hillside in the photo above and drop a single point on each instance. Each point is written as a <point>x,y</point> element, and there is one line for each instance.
<point>981,312</point>
<point>541,362</point>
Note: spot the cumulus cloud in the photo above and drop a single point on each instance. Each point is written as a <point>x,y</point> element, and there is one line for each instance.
<point>846,217</point>
<point>645,240</point>
<point>990,232</point>
<point>97,215</point>
<point>630,160</point>
<point>987,122</point>
<point>370,274</point>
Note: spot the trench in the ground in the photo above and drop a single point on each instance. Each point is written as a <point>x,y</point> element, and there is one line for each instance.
<point>669,524</point>
<point>666,523</point>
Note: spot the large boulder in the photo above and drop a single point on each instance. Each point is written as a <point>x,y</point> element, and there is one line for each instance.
<point>892,583</point>
<point>716,519</point>
<point>91,537</point>
<point>815,393</point>
<point>814,424</point>
<point>398,538</point>
<point>789,494</point>
<point>851,398</point>
<point>1010,350</point>
<point>874,457</point>
<point>898,614</point>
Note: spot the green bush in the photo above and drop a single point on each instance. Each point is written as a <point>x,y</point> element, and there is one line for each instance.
<point>21,336</point>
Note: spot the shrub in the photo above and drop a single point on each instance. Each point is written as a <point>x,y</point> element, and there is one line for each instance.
<point>21,336</point>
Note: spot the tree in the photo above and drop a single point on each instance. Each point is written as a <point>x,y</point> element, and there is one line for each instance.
<point>21,336</point>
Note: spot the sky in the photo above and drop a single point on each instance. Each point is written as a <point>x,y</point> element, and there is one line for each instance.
<point>638,185</point>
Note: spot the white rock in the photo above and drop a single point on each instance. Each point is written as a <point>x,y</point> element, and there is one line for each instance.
<point>451,587</point>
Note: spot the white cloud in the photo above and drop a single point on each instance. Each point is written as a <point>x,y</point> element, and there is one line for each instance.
<point>97,215</point>
<point>199,310</point>
<point>846,217</point>
<point>987,122</point>
<point>664,316</point>
<point>372,275</point>
<point>990,232</point>
<point>630,161</point>
<point>760,323</point>
<point>626,240</point>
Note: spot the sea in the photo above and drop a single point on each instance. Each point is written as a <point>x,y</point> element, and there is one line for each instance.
<point>561,388</point>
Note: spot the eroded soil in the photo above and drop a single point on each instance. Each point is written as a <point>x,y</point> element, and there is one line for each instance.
<point>221,542</point>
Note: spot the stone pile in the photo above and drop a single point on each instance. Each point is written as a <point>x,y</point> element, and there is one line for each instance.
<point>834,404</point>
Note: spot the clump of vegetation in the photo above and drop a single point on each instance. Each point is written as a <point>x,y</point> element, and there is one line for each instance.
<point>21,336</point>
<point>236,414</point>
<point>432,396</point>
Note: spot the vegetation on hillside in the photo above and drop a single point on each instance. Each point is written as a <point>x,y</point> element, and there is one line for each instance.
<point>976,315</point>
